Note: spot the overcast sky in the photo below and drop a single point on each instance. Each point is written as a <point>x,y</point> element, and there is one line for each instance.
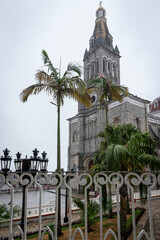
<point>63,29</point>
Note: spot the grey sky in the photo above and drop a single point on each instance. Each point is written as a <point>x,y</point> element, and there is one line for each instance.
<point>63,28</point>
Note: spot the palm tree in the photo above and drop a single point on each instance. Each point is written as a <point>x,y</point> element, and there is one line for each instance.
<point>108,91</point>
<point>126,148</point>
<point>69,85</point>
<point>92,211</point>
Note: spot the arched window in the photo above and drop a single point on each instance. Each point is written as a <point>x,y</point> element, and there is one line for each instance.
<point>92,70</point>
<point>113,71</point>
<point>87,73</point>
<point>137,123</point>
<point>104,65</point>
<point>97,66</point>
<point>74,168</point>
<point>109,67</point>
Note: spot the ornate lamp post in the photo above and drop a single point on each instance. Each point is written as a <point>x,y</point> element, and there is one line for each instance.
<point>34,162</point>
<point>44,162</point>
<point>26,165</point>
<point>29,165</point>
<point>18,162</point>
<point>5,162</point>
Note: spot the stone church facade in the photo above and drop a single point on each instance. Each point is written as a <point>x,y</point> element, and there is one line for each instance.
<point>103,58</point>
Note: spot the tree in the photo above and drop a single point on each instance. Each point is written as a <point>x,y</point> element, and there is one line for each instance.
<point>92,211</point>
<point>69,85</point>
<point>108,91</point>
<point>125,148</point>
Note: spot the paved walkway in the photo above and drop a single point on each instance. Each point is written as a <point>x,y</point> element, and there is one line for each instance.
<point>156,219</point>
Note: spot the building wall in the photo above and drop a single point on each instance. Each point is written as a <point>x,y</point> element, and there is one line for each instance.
<point>91,122</point>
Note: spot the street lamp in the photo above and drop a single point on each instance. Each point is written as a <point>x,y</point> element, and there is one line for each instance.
<point>29,165</point>
<point>43,162</point>
<point>34,162</point>
<point>5,162</point>
<point>18,162</point>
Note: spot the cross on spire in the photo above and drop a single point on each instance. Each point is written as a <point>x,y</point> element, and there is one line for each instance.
<point>100,3</point>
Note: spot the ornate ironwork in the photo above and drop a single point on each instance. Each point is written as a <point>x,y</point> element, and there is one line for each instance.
<point>74,181</point>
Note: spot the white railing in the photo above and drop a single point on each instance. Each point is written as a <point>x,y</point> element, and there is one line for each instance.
<point>79,181</point>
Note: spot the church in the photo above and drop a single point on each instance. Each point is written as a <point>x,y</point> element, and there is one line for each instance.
<point>103,58</point>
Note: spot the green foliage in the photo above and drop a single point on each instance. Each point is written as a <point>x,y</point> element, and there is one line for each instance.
<point>108,91</point>
<point>92,210</point>
<point>5,212</point>
<point>126,148</point>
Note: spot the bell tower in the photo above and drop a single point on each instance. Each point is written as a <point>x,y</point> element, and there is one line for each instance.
<point>102,57</point>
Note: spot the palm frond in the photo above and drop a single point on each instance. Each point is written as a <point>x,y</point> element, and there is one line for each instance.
<point>75,67</point>
<point>95,81</point>
<point>35,89</point>
<point>43,77</point>
<point>48,63</point>
<point>84,98</point>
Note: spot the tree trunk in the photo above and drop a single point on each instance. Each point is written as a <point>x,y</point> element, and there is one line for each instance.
<point>59,167</point>
<point>123,210</point>
<point>128,206</point>
<point>58,139</point>
<point>107,122</point>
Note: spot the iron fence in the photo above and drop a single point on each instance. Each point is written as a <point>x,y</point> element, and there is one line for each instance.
<point>81,182</point>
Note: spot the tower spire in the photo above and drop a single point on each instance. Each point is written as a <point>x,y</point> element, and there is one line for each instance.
<point>100,4</point>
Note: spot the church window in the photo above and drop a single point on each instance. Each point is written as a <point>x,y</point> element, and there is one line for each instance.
<point>75,136</point>
<point>91,125</point>
<point>97,68</point>
<point>109,67</point>
<point>104,65</point>
<point>74,168</point>
<point>87,73</point>
<point>92,70</point>
<point>137,123</point>
<point>113,71</point>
